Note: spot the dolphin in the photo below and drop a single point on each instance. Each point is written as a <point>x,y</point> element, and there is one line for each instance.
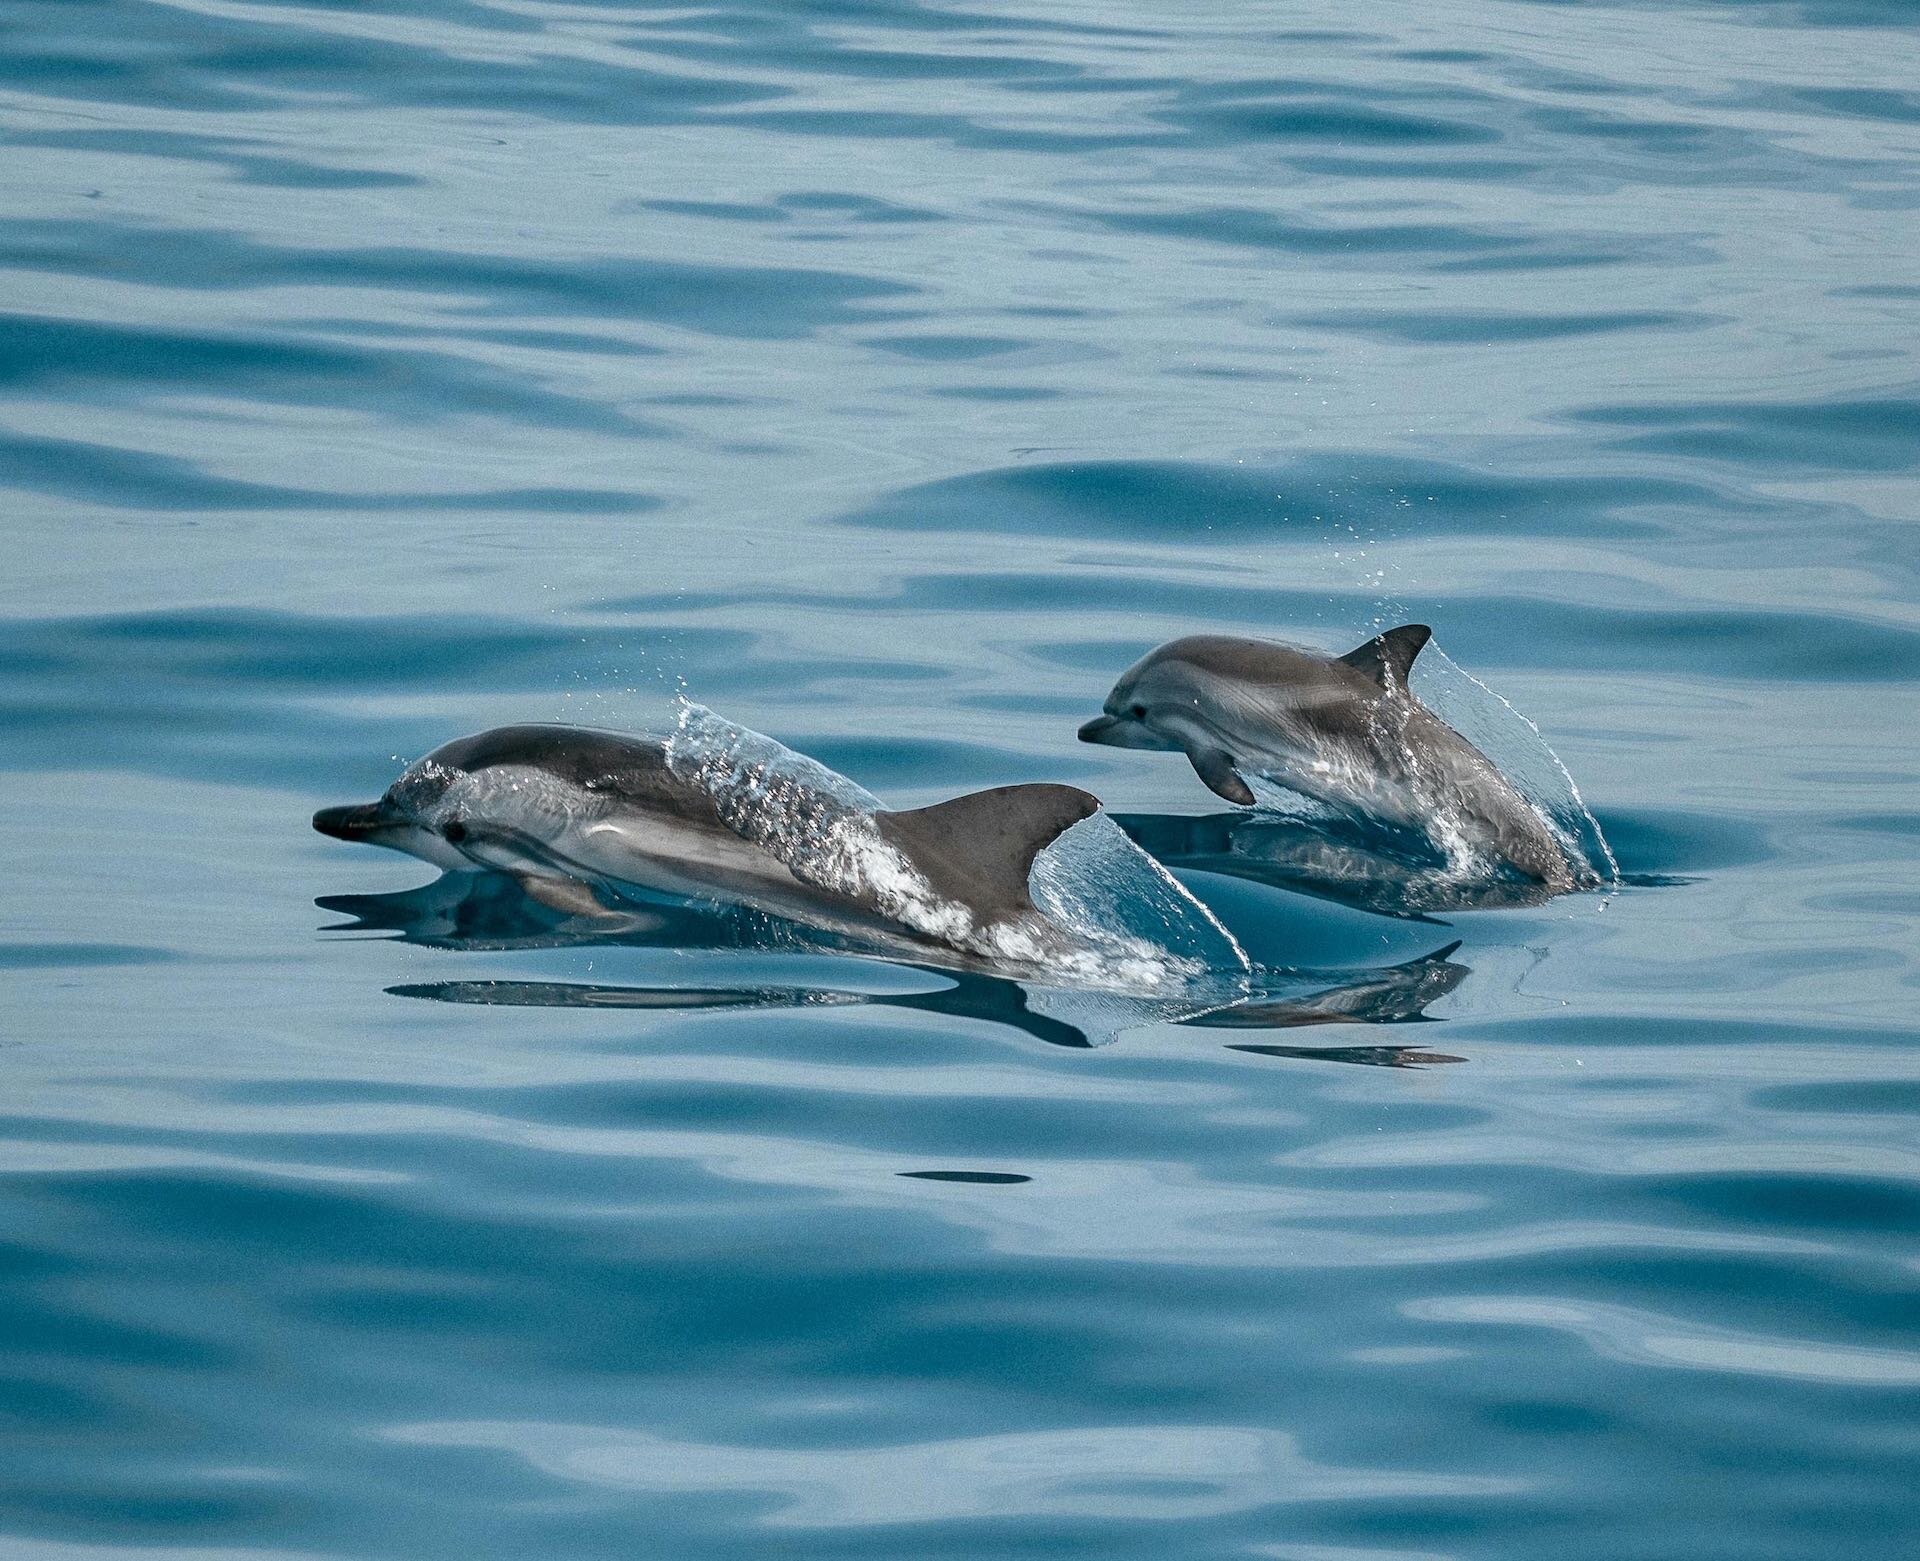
<point>568,810</point>
<point>1343,730</point>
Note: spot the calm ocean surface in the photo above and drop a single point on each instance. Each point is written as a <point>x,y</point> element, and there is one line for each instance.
<point>888,376</point>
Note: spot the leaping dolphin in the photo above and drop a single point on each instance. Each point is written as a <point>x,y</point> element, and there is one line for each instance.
<point>1343,730</point>
<point>566,809</point>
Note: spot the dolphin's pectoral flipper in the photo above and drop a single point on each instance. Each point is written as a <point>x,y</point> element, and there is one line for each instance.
<point>978,850</point>
<point>1215,767</point>
<point>1388,658</point>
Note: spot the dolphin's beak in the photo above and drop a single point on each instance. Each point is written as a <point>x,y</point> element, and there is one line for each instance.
<point>355,821</point>
<point>1120,731</point>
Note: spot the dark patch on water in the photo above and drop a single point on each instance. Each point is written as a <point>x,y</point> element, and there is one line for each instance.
<point>973,1178</point>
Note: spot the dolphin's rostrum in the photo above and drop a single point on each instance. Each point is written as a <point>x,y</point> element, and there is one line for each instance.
<point>1343,730</point>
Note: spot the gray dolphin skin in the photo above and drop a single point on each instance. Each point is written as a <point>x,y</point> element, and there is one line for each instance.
<point>567,808</point>
<point>1344,730</point>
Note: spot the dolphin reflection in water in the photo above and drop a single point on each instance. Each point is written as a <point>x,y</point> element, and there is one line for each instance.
<point>1349,861</point>
<point>717,837</point>
<point>494,912</point>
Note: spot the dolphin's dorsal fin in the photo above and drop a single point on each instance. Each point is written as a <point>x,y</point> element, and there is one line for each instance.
<point>1388,658</point>
<point>977,850</point>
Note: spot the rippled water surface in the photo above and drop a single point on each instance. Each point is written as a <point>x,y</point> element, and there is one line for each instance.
<point>887,376</point>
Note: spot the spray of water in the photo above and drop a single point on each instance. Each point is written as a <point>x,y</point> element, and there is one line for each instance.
<point>1109,915</point>
<point>1494,725</point>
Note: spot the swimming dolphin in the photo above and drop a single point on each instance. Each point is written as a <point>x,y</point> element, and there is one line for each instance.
<point>565,809</point>
<point>1344,730</point>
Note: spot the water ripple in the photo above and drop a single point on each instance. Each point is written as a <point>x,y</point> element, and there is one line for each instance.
<point>890,373</point>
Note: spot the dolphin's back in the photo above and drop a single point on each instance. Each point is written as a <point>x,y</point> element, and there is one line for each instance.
<point>1265,663</point>
<point>620,766</point>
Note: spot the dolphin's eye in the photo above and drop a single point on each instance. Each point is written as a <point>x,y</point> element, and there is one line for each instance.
<point>1138,712</point>
<point>455,832</point>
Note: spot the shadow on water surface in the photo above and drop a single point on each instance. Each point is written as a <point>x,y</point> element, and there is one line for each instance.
<point>491,912</point>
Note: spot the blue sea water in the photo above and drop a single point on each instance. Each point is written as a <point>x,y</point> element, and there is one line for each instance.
<point>887,376</point>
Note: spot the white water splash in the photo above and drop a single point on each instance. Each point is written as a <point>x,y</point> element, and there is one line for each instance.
<point>1512,740</point>
<point>1109,915</point>
<point>1094,878</point>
